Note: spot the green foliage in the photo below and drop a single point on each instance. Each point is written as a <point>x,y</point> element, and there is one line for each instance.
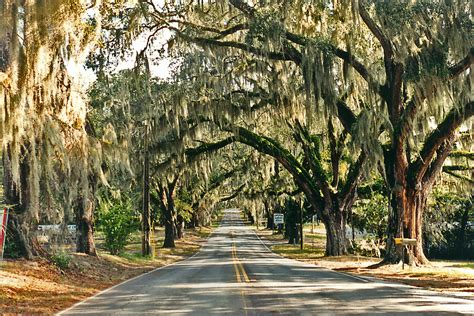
<point>261,26</point>
<point>184,209</point>
<point>372,214</point>
<point>447,232</point>
<point>117,220</point>
<point>61,259</point>
<point>11,249</point>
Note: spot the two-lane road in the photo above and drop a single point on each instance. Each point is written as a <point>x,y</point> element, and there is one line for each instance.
<point>235,273</point>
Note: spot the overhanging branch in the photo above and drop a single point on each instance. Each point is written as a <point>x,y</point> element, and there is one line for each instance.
<point>434,141</point>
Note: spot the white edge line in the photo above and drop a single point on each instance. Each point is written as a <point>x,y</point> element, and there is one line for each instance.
<point>129,280</point>
<point>318,266</point>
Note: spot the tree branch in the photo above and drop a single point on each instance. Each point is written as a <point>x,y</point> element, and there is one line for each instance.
<point>462,154</point>
<point>462,65</point>
<point>345,115</point>
<point>272,148</point>
<point>384,41</point>
<point>433,142</point>
<point>244,7</point>
<point>209,147</point>
<point>353,178</point>
<point>233,195</point>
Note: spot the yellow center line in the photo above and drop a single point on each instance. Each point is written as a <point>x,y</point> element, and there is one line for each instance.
<point>234,260</point>
<point>238,265</point>
<point>239,268</point>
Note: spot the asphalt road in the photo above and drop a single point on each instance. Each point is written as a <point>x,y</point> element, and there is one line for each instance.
<point>235,274</point>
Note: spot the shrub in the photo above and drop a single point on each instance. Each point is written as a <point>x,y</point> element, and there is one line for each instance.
<point>61,259</point>
<point>117,221</point>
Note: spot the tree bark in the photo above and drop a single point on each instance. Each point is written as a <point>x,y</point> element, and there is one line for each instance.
<point>17,195</point>
<point>85,231</point>
<point>179,227</point>
<point>169,212</point>
<point>146,216</point>
<point>335,222</point>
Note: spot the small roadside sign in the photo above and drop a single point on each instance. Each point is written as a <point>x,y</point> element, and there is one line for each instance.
<point>3,230</point>
<point>278,218</point>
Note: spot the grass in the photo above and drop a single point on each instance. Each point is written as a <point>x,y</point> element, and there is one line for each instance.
<point>469,265</point>
<point>315,236</point>
<point>294,252</point>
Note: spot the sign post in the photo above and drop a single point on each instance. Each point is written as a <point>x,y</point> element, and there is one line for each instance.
<point>3,230</point>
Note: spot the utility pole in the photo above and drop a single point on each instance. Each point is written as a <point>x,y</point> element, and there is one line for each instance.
<point>301,226</point>
<point>146,226</point>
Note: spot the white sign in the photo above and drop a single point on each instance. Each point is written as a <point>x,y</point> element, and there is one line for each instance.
<point>56,228</point>
<point>278,218</point>
<point>3,230</point>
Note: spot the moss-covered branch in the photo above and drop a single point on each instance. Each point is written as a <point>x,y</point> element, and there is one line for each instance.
<point>462,154</point>
<point>208,147</point>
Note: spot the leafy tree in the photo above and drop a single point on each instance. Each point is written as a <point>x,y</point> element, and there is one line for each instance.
<point>43,118</point>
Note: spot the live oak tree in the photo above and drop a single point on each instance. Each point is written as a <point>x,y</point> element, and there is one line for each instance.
<point>45,146</point>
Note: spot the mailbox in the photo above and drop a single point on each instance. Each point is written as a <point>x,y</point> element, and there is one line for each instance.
<point>405,241</point>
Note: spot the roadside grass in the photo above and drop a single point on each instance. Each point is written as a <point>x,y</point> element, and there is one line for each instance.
<point>40,287</point>
<point>294,252</point>
<point>468,265</point>
<point>440,275</point>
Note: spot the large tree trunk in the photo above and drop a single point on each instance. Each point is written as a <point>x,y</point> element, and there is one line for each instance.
<point>84,232</point>
<point>170,224</point>
<point>169,212</point>
<point>409,199</point>
<point>293,233</point>
<point>17,195</point>
<point>409,224</point>
<point>169,234</point>
<point>269,215</point>
<point>336,240</point>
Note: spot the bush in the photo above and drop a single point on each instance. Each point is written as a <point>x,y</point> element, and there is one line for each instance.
<point>11,249</point>
<point>117,222</point>
<point>61,259</point>
<point>371,215</point>
<point>447,226</point>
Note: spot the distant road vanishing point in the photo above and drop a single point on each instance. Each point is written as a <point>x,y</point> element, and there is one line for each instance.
<point>236,274</point>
